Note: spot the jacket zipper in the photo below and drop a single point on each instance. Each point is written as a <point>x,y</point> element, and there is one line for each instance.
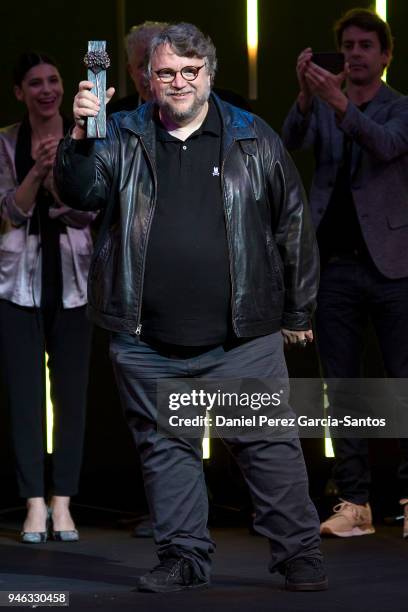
<point>229,240</point>
<point>138,330</point>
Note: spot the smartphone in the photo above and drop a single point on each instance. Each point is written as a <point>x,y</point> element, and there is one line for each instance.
<point>332,62</point>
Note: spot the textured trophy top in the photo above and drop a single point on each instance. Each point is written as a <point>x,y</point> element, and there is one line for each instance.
<point>97,60</point>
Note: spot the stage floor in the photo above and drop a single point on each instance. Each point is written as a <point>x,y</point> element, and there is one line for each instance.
<point>369,573</point>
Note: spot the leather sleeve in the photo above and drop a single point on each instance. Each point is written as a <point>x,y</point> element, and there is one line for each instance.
<point>83,170</point>
<point>295,238</point>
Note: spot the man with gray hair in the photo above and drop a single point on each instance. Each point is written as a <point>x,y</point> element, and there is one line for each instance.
<point>205,259</point>
<point>137,44</point>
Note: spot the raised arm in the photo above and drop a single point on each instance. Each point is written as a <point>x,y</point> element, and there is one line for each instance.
<point>84,168</point>
<point>17,201</point>
<point>299,129</point>
<point>385,141</point>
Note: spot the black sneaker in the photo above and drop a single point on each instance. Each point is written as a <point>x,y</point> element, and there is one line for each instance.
<point>305,574</point>
<point>172,574</point>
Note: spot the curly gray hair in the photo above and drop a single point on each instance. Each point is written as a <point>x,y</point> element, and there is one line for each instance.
<point>142,34</point>
<point>187,41</point>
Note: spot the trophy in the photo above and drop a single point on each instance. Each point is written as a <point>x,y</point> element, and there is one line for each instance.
<point>97,61</point>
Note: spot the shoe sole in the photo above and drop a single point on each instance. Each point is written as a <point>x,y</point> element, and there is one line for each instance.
<point>165,589</point>
<point>62,539</point>
<point>356,531</point>
<point>43,541</point>
<point>308,586</point>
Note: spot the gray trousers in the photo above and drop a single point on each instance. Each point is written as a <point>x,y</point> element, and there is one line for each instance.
<point>172,467</point>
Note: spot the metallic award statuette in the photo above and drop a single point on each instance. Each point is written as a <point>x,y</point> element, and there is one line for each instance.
<point>97,61</point>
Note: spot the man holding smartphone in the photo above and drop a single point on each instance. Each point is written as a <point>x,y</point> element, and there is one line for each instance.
<point>359,207</point>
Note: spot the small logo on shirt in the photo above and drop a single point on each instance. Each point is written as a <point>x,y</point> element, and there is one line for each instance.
<point>216,171</point>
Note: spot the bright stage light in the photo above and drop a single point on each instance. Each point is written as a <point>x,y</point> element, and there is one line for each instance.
<point>252,46</point>
<point>328,445</point>
<point>381,10</point>
<point>206,447</point>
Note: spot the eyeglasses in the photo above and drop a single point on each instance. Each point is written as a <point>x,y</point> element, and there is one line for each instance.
<point>167,75</point>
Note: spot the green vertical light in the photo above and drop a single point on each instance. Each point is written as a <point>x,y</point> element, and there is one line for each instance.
<point>328,445</point>
<point>49,412</point>
<point>381,10</point>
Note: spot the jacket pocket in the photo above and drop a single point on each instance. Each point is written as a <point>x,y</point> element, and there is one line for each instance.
<point>103,274</point>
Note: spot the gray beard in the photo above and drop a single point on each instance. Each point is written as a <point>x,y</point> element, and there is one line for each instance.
<point>187,115</point>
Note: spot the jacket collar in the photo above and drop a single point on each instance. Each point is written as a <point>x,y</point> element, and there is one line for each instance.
<point>385,93</point>
<point>383,96</point>
<point>237,124</point>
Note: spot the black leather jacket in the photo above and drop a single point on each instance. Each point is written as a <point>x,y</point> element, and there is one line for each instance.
<point>272,250</point>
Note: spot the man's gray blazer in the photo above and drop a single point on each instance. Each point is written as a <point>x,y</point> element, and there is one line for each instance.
<point>379,169</point>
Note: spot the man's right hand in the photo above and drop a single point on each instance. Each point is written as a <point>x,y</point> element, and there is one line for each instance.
<point>86,104</point>
<point>305,96</point>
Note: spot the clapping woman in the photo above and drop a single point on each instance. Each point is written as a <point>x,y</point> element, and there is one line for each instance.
<point>45,250</point>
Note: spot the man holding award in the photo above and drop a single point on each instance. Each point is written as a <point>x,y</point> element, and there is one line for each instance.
<point>205,259</point>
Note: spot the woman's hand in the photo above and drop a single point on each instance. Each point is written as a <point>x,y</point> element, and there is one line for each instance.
<point>44,155</point>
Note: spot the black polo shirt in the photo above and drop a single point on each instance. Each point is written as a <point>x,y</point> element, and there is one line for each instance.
<point>186,293</point>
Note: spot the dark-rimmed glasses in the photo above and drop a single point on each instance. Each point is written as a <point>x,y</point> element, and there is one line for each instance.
<point>167,75</point>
